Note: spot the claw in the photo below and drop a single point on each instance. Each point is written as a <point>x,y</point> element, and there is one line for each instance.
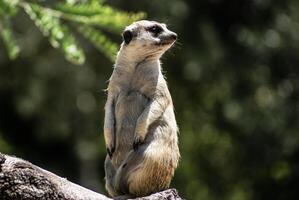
<point>110,152</point>
<point>137,142</point>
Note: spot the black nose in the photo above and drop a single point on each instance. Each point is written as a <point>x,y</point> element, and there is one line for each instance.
<point>174,36</point>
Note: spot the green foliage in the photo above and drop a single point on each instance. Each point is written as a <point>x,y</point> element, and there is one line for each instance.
<point>4,146</point>
<point>8,39</point>
<point>100,41</point>
<point>56,23</point>
<point>8,7</point>
<point>58,34</point>
<point>103,16</point>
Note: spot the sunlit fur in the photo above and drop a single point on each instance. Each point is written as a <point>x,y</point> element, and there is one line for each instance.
<point>139,108</point>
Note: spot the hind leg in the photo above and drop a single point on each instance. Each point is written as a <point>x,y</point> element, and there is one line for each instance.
<point>143,173</point>
<point>121,184</point>
<point>109,177</point>
<point>132,162</point>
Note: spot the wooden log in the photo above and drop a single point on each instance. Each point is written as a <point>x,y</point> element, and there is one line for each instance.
<point>21,180</point>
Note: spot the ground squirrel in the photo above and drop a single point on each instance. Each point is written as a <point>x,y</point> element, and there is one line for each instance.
<point>140,129</point>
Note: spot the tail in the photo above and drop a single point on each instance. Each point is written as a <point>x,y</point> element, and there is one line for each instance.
<point>109,177</point>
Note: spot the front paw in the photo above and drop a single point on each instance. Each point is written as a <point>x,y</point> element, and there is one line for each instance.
<point>138,140</point>
<point>110,151</point>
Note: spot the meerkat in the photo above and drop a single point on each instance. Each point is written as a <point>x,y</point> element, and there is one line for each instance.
<point>140,128</point>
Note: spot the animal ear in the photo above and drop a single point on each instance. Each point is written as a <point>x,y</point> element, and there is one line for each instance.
<point>127,36</point>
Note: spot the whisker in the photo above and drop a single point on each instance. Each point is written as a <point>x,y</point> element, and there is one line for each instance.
<point>177,46</point>
<point>178,43</point>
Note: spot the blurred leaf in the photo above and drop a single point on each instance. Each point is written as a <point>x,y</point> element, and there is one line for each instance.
<point>72,2</point>
<point>100,41</point>
<point>99,15</point>
<point>90,13</point>
<point>4,146</point>
<point>280,170</point>
<point>12,48</point>
<point>59,35</point>
<point>8,7</point>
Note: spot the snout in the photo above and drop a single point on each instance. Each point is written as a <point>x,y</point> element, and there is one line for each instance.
<point>168,38</point>
<point>173,36</point>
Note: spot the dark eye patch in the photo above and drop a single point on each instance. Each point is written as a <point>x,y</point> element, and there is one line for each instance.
<point>156,29</point>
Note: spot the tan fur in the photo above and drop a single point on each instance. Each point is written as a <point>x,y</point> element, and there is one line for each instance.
<point>139,112</point>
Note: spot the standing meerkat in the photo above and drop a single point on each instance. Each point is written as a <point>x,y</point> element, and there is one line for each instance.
<point>140,129</point>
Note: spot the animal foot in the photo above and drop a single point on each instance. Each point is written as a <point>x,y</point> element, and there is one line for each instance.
<point>138,140</point>
<point>110,151</point>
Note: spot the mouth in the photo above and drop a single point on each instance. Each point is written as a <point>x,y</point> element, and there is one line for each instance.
<point>164,43</point>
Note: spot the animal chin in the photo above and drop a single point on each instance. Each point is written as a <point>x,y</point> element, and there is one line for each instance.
<point>163,43</point>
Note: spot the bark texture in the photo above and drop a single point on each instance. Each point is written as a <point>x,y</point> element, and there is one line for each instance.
<point>21,180</point>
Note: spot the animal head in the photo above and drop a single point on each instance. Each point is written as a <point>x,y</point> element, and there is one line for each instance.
<point>147,39</point>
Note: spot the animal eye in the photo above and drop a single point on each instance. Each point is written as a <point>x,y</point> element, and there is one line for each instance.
<point>155,29</point>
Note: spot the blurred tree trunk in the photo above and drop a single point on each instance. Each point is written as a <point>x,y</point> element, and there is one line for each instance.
<point>20,179</point>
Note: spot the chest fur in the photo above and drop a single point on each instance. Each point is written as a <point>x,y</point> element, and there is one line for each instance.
<point>142,79</point>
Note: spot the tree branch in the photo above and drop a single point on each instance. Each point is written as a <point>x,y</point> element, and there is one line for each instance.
<point>21,180</point>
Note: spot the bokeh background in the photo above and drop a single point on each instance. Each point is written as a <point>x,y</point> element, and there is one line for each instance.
<point>234,79</point>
